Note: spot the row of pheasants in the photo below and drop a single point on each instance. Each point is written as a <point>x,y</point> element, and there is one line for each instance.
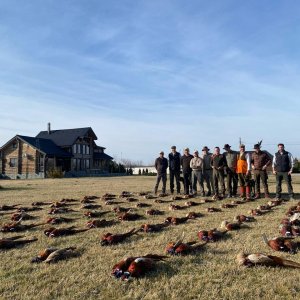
<point>138,266</point>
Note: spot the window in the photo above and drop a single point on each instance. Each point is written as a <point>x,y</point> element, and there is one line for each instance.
<point>83,149</point>
<point>13,162</point>
<point>87,164</point>
<point>74,163</point>
<point>78,148</point>
<point>14,145</point>
<point>74,148</point>
<point>87,149</point>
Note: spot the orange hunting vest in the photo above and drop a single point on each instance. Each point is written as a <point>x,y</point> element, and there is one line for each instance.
<point>241,164</point>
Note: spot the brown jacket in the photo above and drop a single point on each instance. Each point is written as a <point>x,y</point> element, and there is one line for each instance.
<point>260,159</point>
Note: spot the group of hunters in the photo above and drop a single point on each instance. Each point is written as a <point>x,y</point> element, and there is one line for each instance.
<point>236,167</point>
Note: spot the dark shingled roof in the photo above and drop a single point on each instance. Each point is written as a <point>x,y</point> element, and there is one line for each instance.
<point>46,146</point>
<point>102,156</point>
<point>66,137</point>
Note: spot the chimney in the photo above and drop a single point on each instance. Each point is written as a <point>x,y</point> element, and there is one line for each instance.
<point>49,128</point>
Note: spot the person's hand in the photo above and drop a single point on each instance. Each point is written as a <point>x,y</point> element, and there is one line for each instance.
<point>290,173</point>
<point>274,172</point>
<point>248,173</point>
<point>264,167</point>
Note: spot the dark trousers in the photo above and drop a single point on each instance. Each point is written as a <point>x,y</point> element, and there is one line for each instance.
<point>208,178</point>
<point>218,178</point>
<point>288,179</point>
<point>187,182</point>
<point>263,176</point>
<point>175,174</point>
<point>163,177</point>
<point>197,176</point>
<point>231,182</point>
<point>244,179</point>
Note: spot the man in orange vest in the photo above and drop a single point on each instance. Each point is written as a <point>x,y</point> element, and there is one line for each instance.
<point>244,172</point>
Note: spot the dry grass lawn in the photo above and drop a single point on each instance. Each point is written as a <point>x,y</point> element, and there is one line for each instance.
<point>211,274</point>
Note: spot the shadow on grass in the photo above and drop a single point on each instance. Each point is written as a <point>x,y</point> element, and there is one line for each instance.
<point>16,188</point>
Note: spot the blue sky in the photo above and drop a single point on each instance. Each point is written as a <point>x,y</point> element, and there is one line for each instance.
<point>149,74</point>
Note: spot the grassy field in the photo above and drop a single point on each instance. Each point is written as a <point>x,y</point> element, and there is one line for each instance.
<point>210,274</point>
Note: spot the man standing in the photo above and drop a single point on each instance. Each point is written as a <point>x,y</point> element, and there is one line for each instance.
<point>260,161</point>
<point>283,164</point>
<point>207,171</point>
<point>244,172</point>
<point>161,165</point>
<point>197,165</point>
<point>218,163</point>
<point>174,168</point>
<point>186,170</point>
<point>232,178</point>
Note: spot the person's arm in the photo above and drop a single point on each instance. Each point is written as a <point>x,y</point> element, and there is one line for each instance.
<point>292,162</point>
<point>274,164</point>
<point>267,161</point>
<point>167,163</point>
<point>248,159</point>
<point>155,164</point>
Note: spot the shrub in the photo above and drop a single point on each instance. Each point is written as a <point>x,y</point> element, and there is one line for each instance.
<point>55,173</point>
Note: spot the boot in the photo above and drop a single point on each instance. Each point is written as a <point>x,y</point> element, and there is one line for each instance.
<point>257,196</point>
<point>267,195</point>
<point>242,195</point>
<point>248,194</point>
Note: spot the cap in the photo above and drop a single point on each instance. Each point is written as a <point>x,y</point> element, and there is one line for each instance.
<point>256,146</point>
<point>226,146</point>
<point>173,147</point>
<point>196,151</point>
<point>242,146</point>
<point>205,148</point>
<point>186,149</point>
<point>161,152</point>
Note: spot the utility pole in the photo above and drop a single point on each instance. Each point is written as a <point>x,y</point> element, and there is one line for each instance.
<point>240,141</point>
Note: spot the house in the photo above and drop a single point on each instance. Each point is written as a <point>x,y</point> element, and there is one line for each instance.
<point>73,151</point>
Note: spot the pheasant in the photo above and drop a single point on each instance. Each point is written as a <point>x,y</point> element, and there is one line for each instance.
<point>228,205</point>
<point>141,265</point>
<point>176,221</point>
<point>21,216</point>
<point>141,204</point>
<point>8,207</point>
<point>295,230</point>
<point>250,260</point>
<point>243,218</point>
<point>212,235</point>
<point>176,198</point>
<point>57,232</point>
<point>8,243</point>
<point>60,210</point>
<point>190,203</point>
<point>131,199</point>
<point>27,209</point>
<point>17,226</point>
<point>180,248</point>
<point>285,230</point>
<point>154,212</point>
<point>193,215</point>
<point>59,220</point>
<point>99,223</point>
<point>153,227</point>
<point>121,269</point>
<point>128,217</point>
<point>109,238</point>
<point>90,206</point>
<point>42,256</point>
<point>175,207</point>
<point>281,244</point>
<point>95,214</point>
<point>230,226</point>
<point>125,194</point>
<point>40,203</point>
<point>213,209</point>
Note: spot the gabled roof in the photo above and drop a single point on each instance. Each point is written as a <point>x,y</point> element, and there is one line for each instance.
<point>102,156</point>
<point>66,137</point>
<point>43,145</point>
